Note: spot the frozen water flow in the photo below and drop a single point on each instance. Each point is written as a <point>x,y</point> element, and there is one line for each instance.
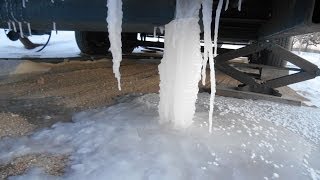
<point>14,26</point>
<point>29,29</point>
<point>178,89</point>
<point>9,26</point>
<point>114,20</point>
<point>211,62</point>
<point>239,5</point>
<point>207,20</point>
<point>180,68</point>
<point>23,3</point>
<point>216,27</point>
<point>227,5</point>
<point>21,30</point>
<point>54,26</point>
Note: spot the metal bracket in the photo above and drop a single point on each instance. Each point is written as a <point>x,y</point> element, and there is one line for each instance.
<point>307,69</point>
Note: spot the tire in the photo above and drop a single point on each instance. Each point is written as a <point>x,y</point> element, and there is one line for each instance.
<point>270,59</point>
<point>92,43</point>
<point>97,43</point>
<point>266,57</point>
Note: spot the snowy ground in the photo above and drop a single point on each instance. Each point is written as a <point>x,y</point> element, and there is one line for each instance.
<point>125,141</point>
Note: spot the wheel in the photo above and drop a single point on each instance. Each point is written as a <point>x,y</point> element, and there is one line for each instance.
<point>92,43</point>
<point>268,58</point>
<point>97,43</point>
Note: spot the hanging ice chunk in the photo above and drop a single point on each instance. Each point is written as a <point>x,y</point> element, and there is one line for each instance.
<point>114,20</point>
<point>227,5</point>
<point>21,30</point>
<point>212,71</point>
<point>161,28</point>
<point>239,5</point>
<point>23,3</point>
<point>9,26</point>
<point>207,20</point>
<point>29,29</point>
<point>54,26</point>
<point>180,68</point>
<point>14,26</point>
<point>155,31</point>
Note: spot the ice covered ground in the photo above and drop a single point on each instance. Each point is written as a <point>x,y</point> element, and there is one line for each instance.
<point>250,140</point>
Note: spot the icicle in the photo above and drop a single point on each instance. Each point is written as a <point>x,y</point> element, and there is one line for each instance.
<point>24,3</point>
<point>9,26</point>
<point>239,5</point>
<point>21,30</point>
<point>155,31</point>
<point>54,26</point>
<point>14,26</point>
<point>207,20</point>
<point>227,5</point>
<point>29,29</point>
<point>211,63</point>
<point>161,29</point>
<point>114,20</point>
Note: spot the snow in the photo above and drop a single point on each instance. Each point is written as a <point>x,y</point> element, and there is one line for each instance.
<point>125,141</point>
<point>114,20</point>
<point>311,88</point>
<point>180,68</point>
<point>62,45</point>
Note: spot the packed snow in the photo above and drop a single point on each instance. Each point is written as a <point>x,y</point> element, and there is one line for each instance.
<point>114,20</point>
<point>249,140</point>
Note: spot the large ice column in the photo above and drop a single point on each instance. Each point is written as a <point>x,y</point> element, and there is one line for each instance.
<point>114,20</point>
<point>180,68</point>
<point>180,72</point>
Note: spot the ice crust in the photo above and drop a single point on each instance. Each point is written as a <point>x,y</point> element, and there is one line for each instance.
<point>114,20</point>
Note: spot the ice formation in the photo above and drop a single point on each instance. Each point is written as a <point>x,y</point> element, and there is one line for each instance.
<point>239,5</point>
<point>227,5</point>
<point>181,65</point>
<point>29,29</point>
<point>180,68</point>
<point>114,20</point>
